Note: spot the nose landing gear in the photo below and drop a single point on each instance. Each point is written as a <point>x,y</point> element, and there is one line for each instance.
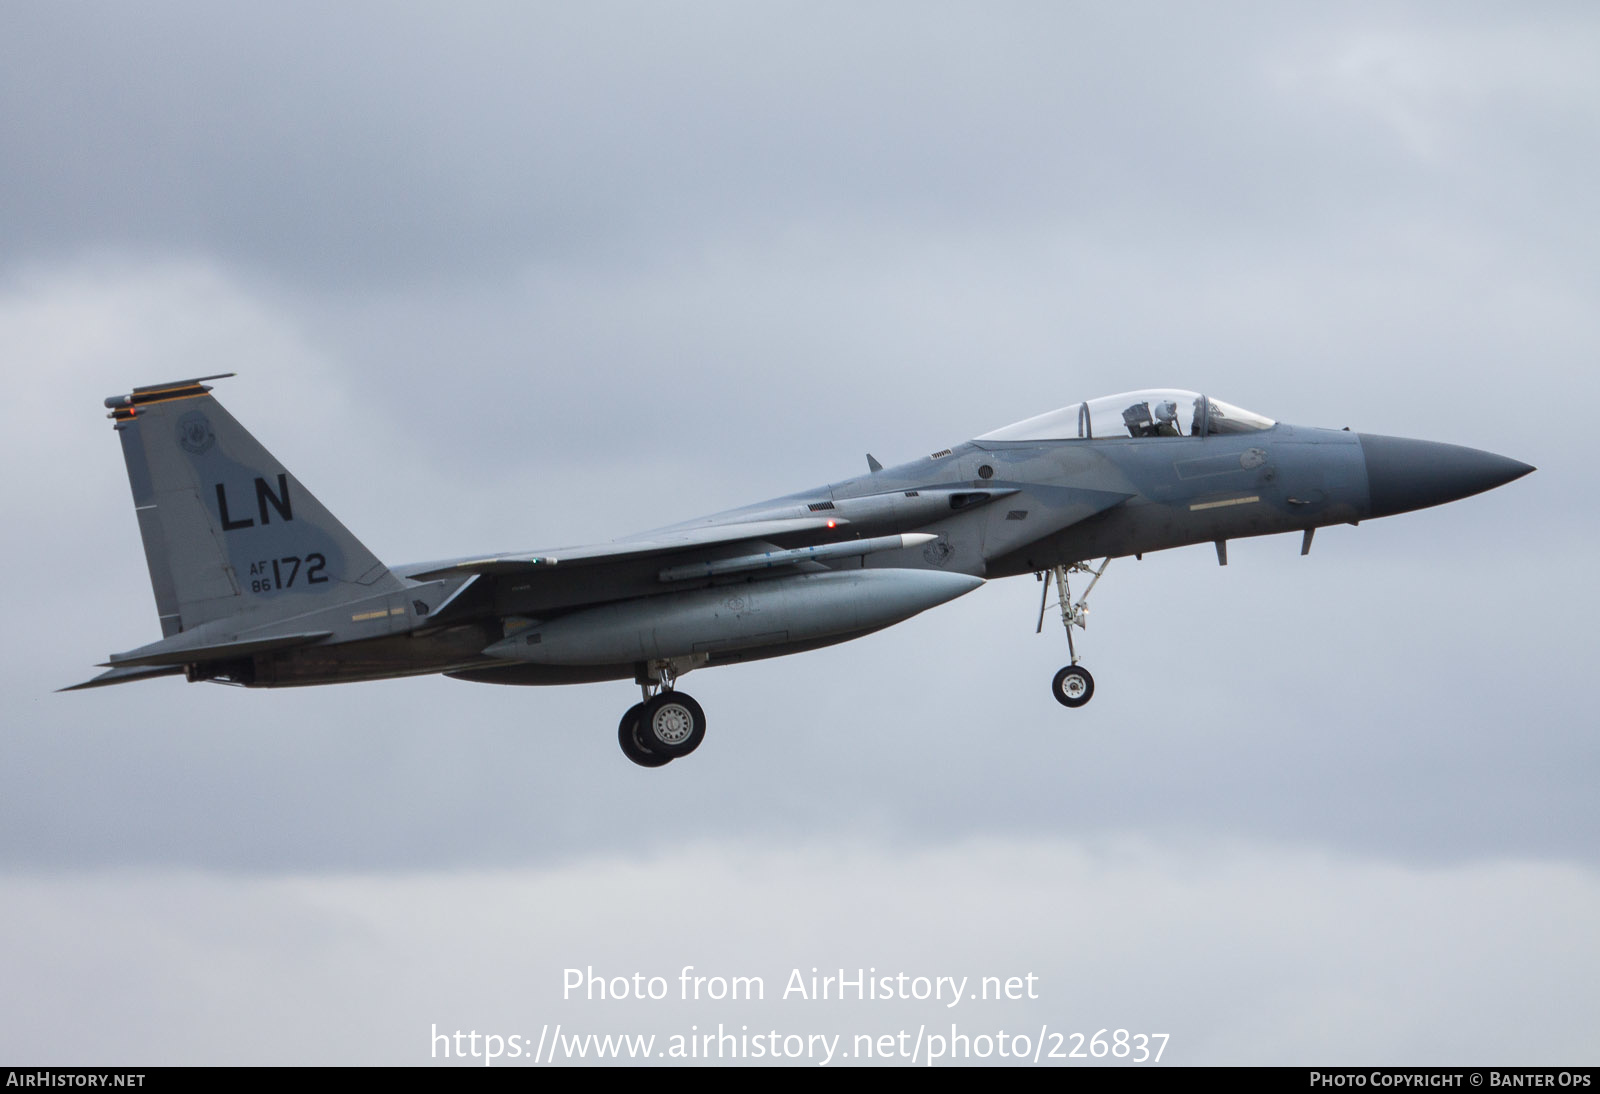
<point>1072,686</point>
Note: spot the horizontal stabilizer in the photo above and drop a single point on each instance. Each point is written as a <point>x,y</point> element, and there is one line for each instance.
<point>166,653</point>
<point>125,675</point>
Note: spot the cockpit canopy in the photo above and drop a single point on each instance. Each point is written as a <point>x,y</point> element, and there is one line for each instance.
<point>1156,412</point>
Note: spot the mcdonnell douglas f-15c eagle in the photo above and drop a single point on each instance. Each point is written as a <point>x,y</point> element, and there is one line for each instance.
<point>257,584</point>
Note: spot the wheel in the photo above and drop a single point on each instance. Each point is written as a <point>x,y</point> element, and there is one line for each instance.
<point>671,725</point>
<point>1073,686</point>
<point>628,738</point>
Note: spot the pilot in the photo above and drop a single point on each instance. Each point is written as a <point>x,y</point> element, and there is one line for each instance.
<point>1167,420</point>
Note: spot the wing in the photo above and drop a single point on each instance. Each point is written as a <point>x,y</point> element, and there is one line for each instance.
<point>664,543</point>
<point>788,525</point>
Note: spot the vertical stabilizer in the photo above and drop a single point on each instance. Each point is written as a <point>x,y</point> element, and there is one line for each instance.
<point>226,528</point>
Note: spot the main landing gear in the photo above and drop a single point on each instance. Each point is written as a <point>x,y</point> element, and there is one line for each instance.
<point>1072,686</point>
<point>667,725</point>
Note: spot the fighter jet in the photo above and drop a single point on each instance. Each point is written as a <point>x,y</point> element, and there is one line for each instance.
<point>256,584</point>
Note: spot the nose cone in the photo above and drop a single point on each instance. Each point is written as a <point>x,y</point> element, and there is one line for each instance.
<point>1403,475</point>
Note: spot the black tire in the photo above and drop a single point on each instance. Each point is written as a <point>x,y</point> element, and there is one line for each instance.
<point>1073,686</point>
<point>671,725</point>
<point>632,747</point>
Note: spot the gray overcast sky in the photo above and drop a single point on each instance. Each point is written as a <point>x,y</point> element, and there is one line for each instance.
<point>501,276</point>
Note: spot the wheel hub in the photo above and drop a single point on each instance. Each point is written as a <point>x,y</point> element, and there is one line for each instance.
<point>672,724</point>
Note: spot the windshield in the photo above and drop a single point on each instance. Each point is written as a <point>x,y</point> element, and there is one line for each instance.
<point>1156,412</point>
<point>1226,418</point>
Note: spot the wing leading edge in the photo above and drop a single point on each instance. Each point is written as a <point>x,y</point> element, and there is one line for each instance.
<point>618,550</point>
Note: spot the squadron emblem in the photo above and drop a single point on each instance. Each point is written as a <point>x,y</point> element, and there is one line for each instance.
<point>194,433</point>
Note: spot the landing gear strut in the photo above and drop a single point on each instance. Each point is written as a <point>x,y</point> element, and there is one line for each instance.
<point>1072,686</point>
<point>665,726</point>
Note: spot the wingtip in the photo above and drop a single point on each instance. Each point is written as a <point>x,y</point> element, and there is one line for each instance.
<point>124,675</point>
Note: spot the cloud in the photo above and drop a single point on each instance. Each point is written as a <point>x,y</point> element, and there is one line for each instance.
<point>1242,953</point>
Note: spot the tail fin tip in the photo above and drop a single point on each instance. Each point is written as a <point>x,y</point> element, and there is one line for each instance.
<point>123,407</point>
